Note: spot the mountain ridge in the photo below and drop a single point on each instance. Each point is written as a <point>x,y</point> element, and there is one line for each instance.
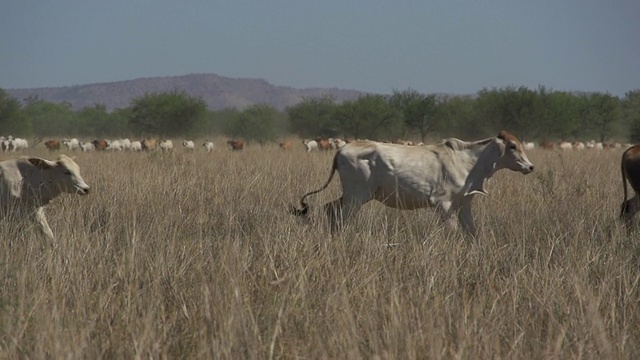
<point>219,92</point>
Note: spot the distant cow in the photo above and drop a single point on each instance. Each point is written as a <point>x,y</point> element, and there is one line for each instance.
<point>546,145</point>
<point>323,144</point>
<point>27,185</point>
<point>136,146</point>
<point>310,145</point>
<point>528,145</point>
<point>166,145</point>
<point>188,145</point>
<point>100,145</point>
<point>208,146</point>
<point>52,145</point>
<point>285,145</point>
<point>235,145</point>
<point>71,144</point>
<point>149,144</point>
<point>445,176</point>
<point>86,146</point>
<point>630,166</point>
<point>578,145</point>
<point>564,145</point>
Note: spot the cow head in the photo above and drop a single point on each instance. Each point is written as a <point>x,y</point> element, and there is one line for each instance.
<point>513,155</point>
<point>63,174</point>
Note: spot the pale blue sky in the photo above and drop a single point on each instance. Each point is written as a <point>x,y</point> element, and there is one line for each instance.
<point>450,46</point>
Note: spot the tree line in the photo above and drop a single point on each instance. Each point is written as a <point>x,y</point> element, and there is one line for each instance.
<point>530,114</point>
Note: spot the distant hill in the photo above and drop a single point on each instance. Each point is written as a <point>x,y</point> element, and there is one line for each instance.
<point>218,92</point>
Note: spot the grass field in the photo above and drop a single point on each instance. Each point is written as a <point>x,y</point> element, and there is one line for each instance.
<point>193,255</point>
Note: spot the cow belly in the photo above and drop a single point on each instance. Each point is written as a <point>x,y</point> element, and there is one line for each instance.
<point>405,199</point>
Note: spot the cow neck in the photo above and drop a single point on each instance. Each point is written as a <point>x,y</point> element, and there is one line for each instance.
<point>44,190</point>
<point>485,157</point>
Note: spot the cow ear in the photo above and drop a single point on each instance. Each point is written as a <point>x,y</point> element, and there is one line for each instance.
<point>42,163</point>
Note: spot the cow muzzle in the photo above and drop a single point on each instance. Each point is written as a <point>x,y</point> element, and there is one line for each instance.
<point>82,190</point>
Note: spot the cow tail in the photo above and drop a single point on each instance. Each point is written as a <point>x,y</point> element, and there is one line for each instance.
<point>623,209</point>
<point>305,207</point>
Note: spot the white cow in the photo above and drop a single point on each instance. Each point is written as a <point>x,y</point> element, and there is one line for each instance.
<point>578,145</point>
<point>166,145</point>
<point>136,146</point>
<point>565,145</point>
<point>14,144</point>
<point>208,145</point>
<point>528,145</point>
<point>445,176</point>
<point>71,144</point>
<point>27,185</point>
<point>86,146</point>
<point>115,145</point>
<point>188,145</point>
<point>310,145</point>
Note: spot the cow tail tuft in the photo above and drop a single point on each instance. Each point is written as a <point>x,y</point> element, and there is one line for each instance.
<point>305,207</point>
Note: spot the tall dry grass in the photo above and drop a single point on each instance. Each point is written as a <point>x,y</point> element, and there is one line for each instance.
<point>193,255</point>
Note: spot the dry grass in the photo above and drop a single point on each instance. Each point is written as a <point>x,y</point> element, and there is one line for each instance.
<point>194,256</point>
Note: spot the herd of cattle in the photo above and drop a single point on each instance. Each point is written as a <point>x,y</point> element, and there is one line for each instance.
<point>445,176</point>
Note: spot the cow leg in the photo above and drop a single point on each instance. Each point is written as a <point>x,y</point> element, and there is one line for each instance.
<point>41,220</point>
<point>466,219</point>
<point>629,209</point>
<point>341,210</point>
<point>446,212</point>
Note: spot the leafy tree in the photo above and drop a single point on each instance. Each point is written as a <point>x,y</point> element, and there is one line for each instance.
<point>601,113</point>
<point>12,119</point>
<point>369,116</point>
<point>561,115</point>
<point>97,122</point>
<point>313,117</point>
<point>418,111</point>
<point>256,123</point>
<point>631,112</point>
<point>51,119</point>
<point>169,114</point>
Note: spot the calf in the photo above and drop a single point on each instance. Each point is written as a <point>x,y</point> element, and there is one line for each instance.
<point>27,185</point>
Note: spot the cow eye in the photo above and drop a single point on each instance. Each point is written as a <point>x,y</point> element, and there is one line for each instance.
<point>512,146</point>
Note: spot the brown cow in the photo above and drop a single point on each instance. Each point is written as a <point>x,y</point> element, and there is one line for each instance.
<point>52,145</point>
<point>286,145</point>
<point>100,145</point>
<point>546,145</point>
<point>323,144</point>
<point>630,166</point>
<point>235,145</point>
<point>149,144</point>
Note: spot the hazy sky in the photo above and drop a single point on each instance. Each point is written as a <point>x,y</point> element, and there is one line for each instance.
<point>447,46</point>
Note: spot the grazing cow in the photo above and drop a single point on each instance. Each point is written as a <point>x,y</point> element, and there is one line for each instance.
<point>11,144</point>
<point>166,145</point>
<point>578,145</point>
<point>52,145</point>
<point>188,145</point>
<point>528,145</point>
<point>235,145</point>
<point>27,185</point>
<point>285,145</point>
<point>149,144</point>
<point>136,146</point>
<point>208,145</point>
<point>310,145</point>
<point>546,145</point>
<point>445,176</point>
<point>86,146</point>
<point>100,145</point>
<point>71,144</point>
<point>564,145</point>
<point>630,166</point>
